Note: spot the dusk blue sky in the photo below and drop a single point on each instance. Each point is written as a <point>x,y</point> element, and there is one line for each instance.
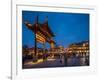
<point>68,27</point>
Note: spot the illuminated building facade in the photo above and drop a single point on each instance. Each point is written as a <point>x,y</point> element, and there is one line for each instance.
<point>81,48</point>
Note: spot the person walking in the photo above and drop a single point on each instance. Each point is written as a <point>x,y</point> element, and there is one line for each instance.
<point>75,60</point>
<point>65,59</point>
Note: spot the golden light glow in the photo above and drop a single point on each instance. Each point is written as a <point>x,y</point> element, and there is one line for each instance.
<point>40,38</point>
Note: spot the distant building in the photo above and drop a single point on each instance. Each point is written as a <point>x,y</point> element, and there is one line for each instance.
<point>81,48</point>
<point>31,51</point>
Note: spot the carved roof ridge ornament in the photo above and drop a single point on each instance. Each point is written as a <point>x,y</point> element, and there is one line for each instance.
<point>42,28</point>
<point>47,28</point>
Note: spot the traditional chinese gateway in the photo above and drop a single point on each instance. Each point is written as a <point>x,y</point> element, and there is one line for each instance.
<point>42,34</point>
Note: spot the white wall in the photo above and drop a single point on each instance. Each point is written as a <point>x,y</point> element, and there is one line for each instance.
<point>5,37</point>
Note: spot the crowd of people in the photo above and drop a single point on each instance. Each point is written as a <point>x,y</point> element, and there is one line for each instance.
<point>74,60</point>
